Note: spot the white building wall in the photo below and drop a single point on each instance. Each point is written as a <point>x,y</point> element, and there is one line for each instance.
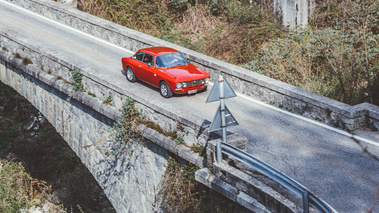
<point>294,12</point>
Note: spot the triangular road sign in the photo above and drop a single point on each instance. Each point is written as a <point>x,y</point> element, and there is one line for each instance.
<point>214,95</point>
<point>229,120</point>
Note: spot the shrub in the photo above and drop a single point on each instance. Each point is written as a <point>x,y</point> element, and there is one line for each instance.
<point>199,149</point>
<point>124,138</point>
<point>179,140</point>
<point>340,61</point>
<point>108,100</point>
<point>77,80</point>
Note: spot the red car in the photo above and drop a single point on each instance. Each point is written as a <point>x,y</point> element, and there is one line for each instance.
<point>166,69</point>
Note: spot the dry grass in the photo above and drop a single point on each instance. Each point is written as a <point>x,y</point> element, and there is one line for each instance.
<point>144,16</point>
<point>20,191</point>
<point>197,23</point>
<point>234,33</point>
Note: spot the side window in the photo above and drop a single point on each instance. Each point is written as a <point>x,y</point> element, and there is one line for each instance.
<point>139,56</point>
<point>158,62</point>
<point>148,59</point>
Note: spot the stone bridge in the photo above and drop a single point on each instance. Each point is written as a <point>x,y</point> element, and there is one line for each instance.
<point>85,118</point>
<point>85,122</point>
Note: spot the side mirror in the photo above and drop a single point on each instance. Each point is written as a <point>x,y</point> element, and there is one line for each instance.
<point>148,64</point>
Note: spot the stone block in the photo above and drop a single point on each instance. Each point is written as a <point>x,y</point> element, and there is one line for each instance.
<point>250,203</point>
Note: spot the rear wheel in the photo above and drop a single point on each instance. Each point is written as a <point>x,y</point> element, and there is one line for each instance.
<point>130,75</point>
<point>165,90</point>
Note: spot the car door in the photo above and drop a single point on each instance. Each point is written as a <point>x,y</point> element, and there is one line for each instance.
<point>148,69</point>
<point>137,65</point>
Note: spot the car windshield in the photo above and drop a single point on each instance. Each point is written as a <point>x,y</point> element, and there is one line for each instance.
<point>170,60</point>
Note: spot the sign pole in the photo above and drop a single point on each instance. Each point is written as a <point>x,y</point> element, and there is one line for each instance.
<point>221,90</point>
<point>223,122</point>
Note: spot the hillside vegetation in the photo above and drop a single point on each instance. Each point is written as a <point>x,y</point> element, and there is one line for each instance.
<point>336,55</point>
<point>225,29</point>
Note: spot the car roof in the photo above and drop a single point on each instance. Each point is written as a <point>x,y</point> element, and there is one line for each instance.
<point>158,50</point>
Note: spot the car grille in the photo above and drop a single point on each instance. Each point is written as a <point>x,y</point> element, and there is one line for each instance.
<point>192,83</point>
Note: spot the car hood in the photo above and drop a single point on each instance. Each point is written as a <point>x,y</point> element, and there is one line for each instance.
<point>187,72</point>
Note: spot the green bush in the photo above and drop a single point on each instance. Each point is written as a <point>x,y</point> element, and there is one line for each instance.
<point>340,60</point>
<point>125,137</point>
<point>108,100</point>
<point>77,80</point>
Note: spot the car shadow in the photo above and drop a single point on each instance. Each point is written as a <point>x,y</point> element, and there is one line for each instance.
<point>143,83</point>
<point>157,89</point>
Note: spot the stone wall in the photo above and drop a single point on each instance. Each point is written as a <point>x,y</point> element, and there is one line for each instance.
<point>243,81</point>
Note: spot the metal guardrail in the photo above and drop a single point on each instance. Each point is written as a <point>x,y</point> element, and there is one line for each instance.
<point>308,197</point>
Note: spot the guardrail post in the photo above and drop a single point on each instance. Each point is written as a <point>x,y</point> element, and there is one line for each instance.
<point>305,202</point>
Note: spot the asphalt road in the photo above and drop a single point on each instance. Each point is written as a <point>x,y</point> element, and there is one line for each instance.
<point>325,160</point>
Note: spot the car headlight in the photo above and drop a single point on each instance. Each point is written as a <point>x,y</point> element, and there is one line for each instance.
<point>180,85</point>
<point>205,81</point>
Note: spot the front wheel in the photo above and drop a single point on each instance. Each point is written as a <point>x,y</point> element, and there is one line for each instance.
<point>165,90</point>
<point>130,75</point>
<point>204,89</point>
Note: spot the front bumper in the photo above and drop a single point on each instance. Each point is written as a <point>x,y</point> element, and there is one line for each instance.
<point>198,87</point>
